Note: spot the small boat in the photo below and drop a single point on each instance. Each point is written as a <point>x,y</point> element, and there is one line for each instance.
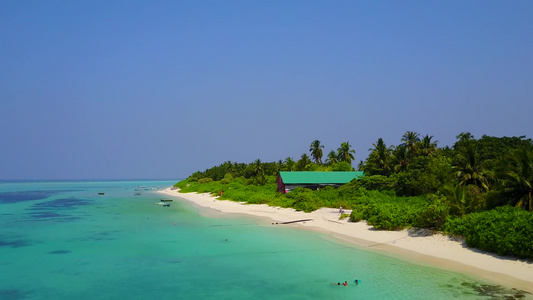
<point>137,194</point>
<point>166,200</point>
<point>100,193</point>
<point>166,204</point>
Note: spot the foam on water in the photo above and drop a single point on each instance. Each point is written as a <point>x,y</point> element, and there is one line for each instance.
<point>62,241</point>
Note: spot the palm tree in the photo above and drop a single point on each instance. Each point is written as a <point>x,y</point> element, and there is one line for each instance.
<point>516,173</point>
<point>426,146</point>
<point>463,200</point>
<point>345,153</point>
<point>290,163</point>
<point>280,165</point>
<point>401,158</point>
<point>258,171</point>
<point>332,158</point>
<point>463,139</point>
<point>410,138</point>
<point>379,160</point>
<point>238,169</point>
<point>456,196</point>
<point>302,162</point>
<point>316,151</point>
<point>227,168</point>
<point>470,169</point>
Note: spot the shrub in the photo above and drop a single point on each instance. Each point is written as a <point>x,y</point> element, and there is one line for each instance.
<point>388,216</point>
<point>343,216</point>
<point>205,180</point>
<point>504,230</point>
<point>228,178</point>
<point>378,182</point>
<point>342,166</point>
<point>329,197</point>
<point>357,214</point>
<point>304,199</point>
<point>434,215</point>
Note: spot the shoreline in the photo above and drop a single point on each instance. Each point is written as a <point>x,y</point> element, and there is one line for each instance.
<point>416,246</point>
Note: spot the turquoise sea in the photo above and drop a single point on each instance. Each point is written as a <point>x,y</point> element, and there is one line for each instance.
<point>62,240</point>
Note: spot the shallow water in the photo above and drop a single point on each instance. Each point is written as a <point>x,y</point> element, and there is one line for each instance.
<point>61,240</point>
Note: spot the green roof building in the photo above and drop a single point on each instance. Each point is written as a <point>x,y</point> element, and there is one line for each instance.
<point>314,180</point>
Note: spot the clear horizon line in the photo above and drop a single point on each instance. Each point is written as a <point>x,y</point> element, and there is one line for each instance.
<point>91,179</point>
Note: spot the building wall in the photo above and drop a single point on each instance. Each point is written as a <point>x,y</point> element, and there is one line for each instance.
<point>281,185</point>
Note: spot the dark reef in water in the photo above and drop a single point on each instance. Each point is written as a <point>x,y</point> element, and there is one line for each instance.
<point>44,216</point>
<point>55,209</point>
<point>174,261</point>
<point>14,197</point>
<point>60,203</point>
<point>12,294</point>
<point>98,236</point>
<point>60,252</point>
<point>13,243</point>
<point>495,291</point>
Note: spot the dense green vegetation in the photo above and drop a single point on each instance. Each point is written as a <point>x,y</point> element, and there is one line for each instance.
<point>480,189</point>
<point>505,230</point>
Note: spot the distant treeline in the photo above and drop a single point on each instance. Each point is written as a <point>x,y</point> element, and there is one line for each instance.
<point>480,189</point>
<point>340,160</point>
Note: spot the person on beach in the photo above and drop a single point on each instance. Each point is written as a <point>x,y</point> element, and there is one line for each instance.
<point>340,210</point>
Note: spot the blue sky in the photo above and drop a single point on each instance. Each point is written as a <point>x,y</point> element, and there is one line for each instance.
<point>160,89</point>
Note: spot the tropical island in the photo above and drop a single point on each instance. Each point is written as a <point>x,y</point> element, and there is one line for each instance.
<point>478,190</point>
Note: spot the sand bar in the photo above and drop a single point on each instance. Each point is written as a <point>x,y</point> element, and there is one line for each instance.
<point>435,249</point>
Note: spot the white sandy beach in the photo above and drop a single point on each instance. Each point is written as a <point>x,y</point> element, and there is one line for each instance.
<point>435,249</point>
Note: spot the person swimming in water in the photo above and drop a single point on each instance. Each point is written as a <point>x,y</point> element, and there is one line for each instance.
<point>356,282</point>
<point>345,283</point>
